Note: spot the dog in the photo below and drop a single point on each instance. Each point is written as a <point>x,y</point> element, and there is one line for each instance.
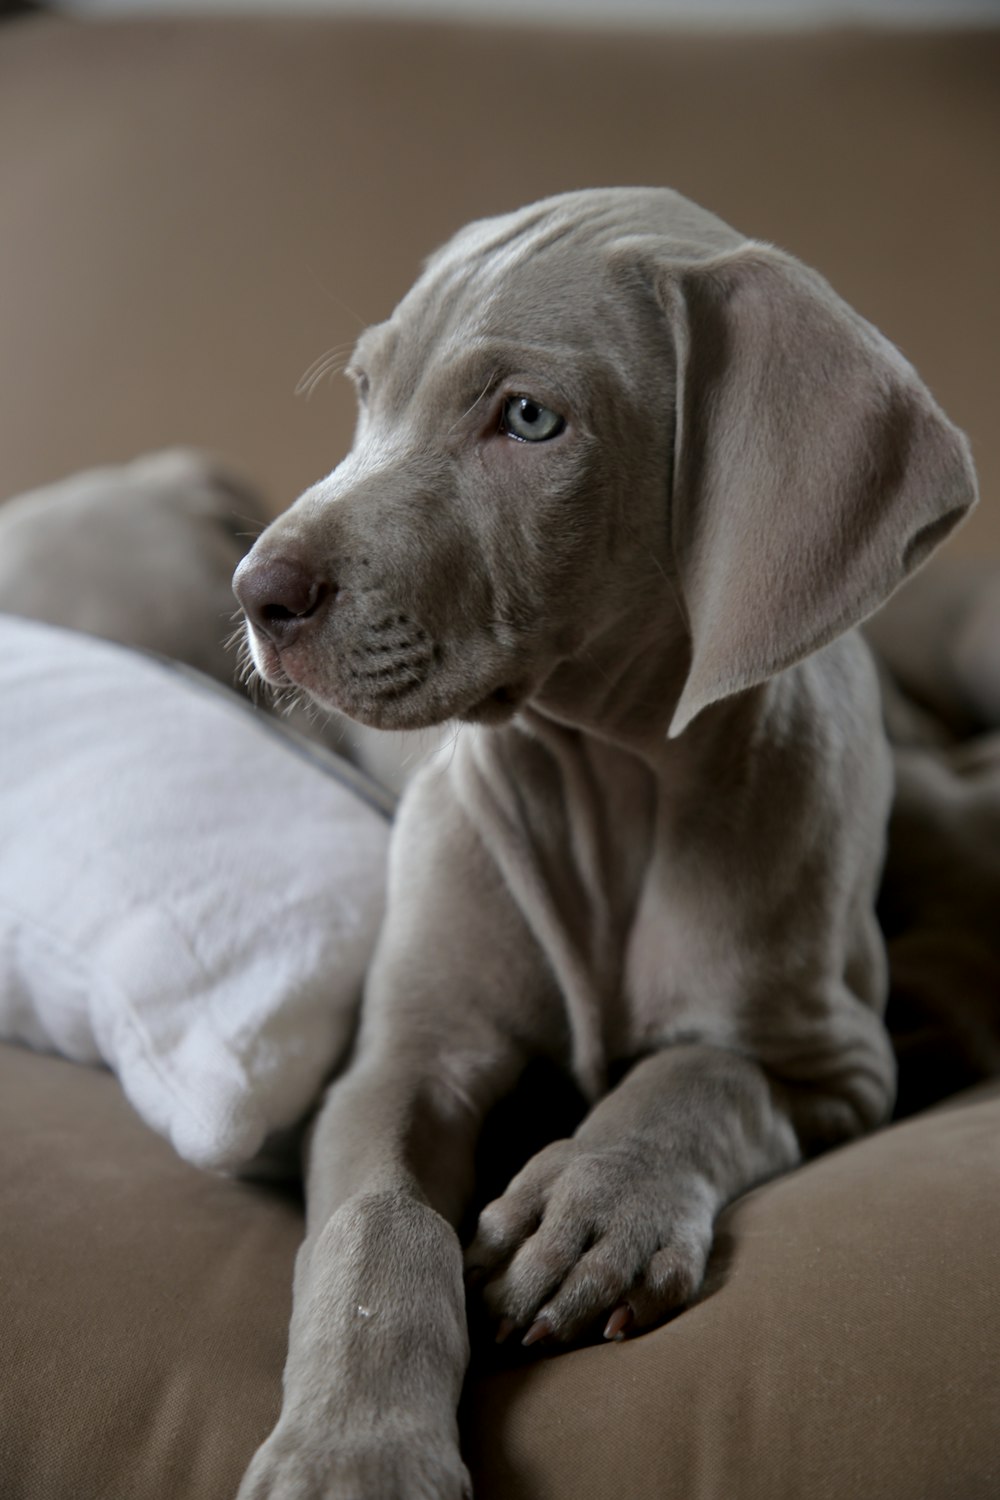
<point>623,484</point>
<point>140,553</point>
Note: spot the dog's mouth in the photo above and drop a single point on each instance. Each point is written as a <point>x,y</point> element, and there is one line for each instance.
<point>266,659</point>
<point>499,705</point>
<point>387,696</point>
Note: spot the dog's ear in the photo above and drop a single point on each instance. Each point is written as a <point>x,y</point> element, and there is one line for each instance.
<point>812,468</point>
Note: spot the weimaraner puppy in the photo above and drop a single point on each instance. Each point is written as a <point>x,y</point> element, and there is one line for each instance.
<point>623,482</point>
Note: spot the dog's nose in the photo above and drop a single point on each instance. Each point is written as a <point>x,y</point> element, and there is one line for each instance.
<point>280,596</point>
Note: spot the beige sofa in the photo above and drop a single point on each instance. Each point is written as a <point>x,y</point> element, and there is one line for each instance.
<point>191,213</point>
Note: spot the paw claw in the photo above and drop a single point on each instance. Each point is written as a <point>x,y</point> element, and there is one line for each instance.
<point>614,1238</point>
<point>619,1323</point>
<point>541,1328</point>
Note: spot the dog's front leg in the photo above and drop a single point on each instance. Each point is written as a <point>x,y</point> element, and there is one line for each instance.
<point>615,1224</point>
<point>455,1004</point>
<point>378,1343</point>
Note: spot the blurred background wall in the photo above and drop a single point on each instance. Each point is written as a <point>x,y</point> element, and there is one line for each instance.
<point>195,207</point>
<point>618,12</point>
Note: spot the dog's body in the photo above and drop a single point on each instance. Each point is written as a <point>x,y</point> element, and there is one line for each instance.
<point>622,483</point>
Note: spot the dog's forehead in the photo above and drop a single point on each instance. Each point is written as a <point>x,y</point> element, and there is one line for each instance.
<point>545,272</point>
<point>582,226</point>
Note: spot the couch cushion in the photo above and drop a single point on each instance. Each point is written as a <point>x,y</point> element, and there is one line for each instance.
<point>143,1303</point>
<point>849,1344</point>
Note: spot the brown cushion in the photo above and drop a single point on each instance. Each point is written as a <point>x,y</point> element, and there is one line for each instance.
<point>849,1344</point>
<point>143,1304</point>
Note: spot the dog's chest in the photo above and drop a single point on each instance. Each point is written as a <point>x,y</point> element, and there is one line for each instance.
<point>617,896</point>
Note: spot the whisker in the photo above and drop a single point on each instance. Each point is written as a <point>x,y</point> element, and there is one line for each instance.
<point>335,299</point>
<point>672,586</point>
<point>450,745</point>
<point>489,384</point>
<point>596,666</point>
<point>254,521</point>
<point>245,674</point>
<point>329,363</point>
<point>310,383</point>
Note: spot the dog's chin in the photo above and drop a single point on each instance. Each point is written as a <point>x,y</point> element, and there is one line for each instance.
<point>425,707</point>
<point>498,706</point>
<point>427,710</point>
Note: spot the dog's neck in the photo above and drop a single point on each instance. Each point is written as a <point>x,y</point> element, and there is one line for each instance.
<point>623,689</point>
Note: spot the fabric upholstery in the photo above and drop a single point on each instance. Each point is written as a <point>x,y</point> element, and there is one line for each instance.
<point>846,1344</point>
<point>143,1300</point>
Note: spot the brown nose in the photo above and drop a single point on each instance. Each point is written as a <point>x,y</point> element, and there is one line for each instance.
<point>280,596</point>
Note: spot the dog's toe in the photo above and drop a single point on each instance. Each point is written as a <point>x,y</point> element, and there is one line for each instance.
<point>585,1242</point>
<point>509,1220</point>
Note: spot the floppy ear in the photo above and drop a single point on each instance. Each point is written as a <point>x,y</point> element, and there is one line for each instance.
<point>812,468</point>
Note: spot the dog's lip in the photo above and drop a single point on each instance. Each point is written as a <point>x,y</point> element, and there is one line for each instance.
<point>267,660</point>
<point>498,705</point>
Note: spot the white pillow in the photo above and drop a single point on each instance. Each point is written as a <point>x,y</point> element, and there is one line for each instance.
<point>186,892</point>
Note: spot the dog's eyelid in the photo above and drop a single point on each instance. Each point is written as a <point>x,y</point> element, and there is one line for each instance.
<point>359,379</point>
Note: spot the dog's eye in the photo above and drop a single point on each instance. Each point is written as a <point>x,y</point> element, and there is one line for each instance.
<point>530,422</point>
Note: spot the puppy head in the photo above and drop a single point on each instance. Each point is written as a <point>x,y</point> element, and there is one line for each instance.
<point>605,426</point>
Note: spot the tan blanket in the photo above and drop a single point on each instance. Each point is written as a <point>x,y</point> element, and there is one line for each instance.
<point>939,643</point>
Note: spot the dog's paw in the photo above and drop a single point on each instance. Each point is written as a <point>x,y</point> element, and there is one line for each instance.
<point>609,1233</point>
<point>381,1466</point>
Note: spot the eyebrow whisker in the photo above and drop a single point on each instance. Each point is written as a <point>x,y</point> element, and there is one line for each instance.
<point>330,363</point>
<point>491,381</point>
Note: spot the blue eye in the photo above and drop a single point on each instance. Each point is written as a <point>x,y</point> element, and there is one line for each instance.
<point>530,422</point>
